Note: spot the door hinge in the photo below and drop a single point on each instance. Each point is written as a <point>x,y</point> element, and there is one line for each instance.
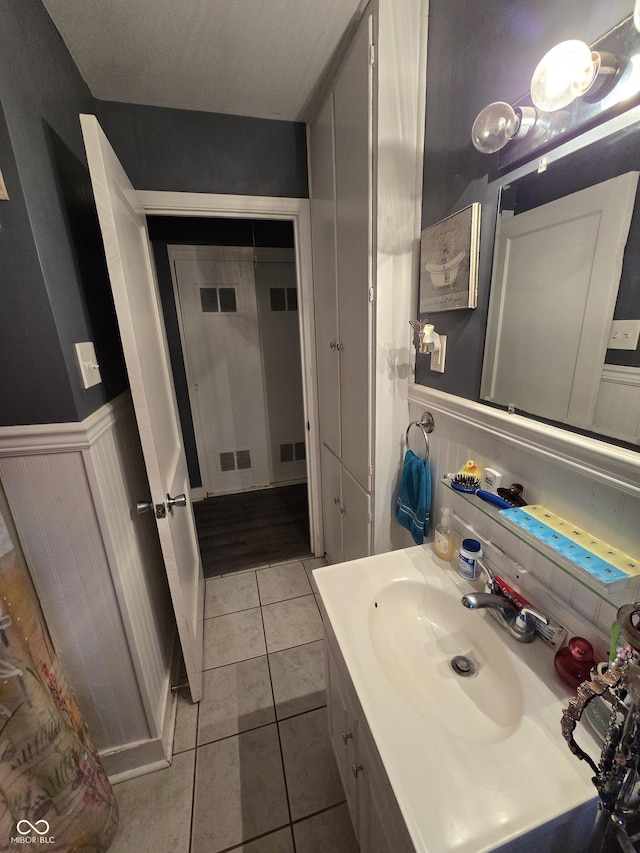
<point>370,294</point>
<point>371,470</point>
<point>370,517</point>
<point>372,54</point>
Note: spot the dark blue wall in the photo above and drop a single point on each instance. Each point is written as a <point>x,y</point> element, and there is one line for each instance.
<point>478,53</point>
<point>54,287</point>
<point>188,151</point>
<point>44,306</point>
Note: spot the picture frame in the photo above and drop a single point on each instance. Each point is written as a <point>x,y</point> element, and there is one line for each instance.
<point>449,255</point>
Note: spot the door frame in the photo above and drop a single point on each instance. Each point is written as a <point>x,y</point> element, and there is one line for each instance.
<point>298,212</point>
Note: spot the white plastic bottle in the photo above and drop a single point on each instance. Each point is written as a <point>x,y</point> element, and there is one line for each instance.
<point>442,538</point>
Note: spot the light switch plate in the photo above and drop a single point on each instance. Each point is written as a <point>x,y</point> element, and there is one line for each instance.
<point>438,358</point>
<point>88,364</point>
<point>624,334</point>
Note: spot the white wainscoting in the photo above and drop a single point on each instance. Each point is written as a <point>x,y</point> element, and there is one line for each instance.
<point>97,567</point>
<point>618,404</point>
<point>591,483</point>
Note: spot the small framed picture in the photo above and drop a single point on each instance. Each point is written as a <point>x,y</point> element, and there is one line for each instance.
<point>449,252</point>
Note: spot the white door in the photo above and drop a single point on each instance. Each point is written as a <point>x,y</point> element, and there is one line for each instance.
<point>331,505</point>
<point>552,301</point>
<point>353,140</point>
<point>323,214</point>
<point>140,319</point>
<point>275,277</point>
<point>221,341</point>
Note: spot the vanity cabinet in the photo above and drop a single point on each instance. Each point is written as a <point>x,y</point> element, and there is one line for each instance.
<point>375,814</point>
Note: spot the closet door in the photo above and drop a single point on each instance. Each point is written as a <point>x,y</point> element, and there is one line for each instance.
<point>353,142</point>
<point>356,519</point>
<point>323,210</point>
<point>331,505</point>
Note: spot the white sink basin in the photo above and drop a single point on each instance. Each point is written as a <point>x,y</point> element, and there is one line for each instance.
<point>417,632</point>
<point>476,763</point>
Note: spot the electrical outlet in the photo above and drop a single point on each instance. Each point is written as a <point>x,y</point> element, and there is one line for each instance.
<point>624,334</point>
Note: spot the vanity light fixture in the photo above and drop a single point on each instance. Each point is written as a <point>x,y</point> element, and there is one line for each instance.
<point>498,123</point>
<point>572,70</point>
<point>573,86</point>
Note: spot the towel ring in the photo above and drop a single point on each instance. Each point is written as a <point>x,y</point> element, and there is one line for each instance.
<point>425,424</point>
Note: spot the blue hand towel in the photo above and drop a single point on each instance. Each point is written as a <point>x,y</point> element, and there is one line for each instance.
<point>414,498</point>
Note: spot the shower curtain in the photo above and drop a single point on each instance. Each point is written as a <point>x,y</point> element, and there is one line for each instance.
<point>54,792</point>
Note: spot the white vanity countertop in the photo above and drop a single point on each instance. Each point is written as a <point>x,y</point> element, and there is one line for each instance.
<point>474,763</point>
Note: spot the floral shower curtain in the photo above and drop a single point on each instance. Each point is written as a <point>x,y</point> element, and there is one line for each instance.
<point>54,792</point>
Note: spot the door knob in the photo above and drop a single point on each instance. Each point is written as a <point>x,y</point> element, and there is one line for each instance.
<point>179,500</point>
<point>144,506</point>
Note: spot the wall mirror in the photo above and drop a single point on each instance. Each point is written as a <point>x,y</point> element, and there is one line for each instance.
<point>565,289</point>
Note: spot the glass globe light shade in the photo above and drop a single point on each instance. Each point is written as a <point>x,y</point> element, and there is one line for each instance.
<point>563,74</point>
<point>494,126</point>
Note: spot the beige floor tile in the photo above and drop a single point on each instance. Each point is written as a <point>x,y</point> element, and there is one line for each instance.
<point>234,637</point>
<point>155,810</point>
<point>310,565</point>
<point>276,842</point>
<point>313,783</point>
<point>278,583</point>
<point>240,792</point>
<point>230,593</point>
<point>292,623</point>
<point>184,735</point>
<point>297,675</point>
<point>235,698</point>
<point>330,830</point>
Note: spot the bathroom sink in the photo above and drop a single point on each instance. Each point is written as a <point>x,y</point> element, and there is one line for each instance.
<point>477,763</point>
<point>445,661</point>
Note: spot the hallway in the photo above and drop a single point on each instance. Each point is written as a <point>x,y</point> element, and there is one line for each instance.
<point>256,528</point>
<point>252,763</point>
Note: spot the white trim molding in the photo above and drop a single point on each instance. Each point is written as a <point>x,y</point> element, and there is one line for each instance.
<point>597,460</point>
<point>297,211</point>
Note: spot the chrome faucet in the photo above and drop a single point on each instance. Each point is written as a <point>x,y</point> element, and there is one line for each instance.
<point>519,622</point>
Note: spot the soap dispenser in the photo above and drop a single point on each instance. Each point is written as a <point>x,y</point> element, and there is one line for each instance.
<point>443,538</point>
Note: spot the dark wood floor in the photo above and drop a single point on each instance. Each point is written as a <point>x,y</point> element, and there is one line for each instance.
<point>251,529</point>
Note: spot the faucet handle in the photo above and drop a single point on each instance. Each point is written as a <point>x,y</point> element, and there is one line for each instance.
<point>491,578</point>
<point>524,619</point>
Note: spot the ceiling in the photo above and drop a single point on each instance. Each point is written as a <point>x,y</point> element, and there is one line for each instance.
<point>260,58</point>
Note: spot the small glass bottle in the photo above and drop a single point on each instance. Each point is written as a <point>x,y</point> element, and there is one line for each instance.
<point>442,538</point>
<point>574,661</point>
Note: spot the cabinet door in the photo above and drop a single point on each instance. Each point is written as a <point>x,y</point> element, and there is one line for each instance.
<point>356,519</point>
<point>353,135</point>
<point>342,733</point>
<point>331,505</point>
<point>323,220</point>
<point>372,831</point>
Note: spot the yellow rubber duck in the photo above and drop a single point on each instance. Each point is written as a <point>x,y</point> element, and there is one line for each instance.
<point>471,467</point>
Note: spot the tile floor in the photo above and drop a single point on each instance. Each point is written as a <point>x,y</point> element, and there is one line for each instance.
<point>252,767</point>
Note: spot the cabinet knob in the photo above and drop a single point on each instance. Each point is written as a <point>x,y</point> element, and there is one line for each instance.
<point>356,768</point>
<point>343,509</point>
<point>346,736</point>
<point>336,500</point>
